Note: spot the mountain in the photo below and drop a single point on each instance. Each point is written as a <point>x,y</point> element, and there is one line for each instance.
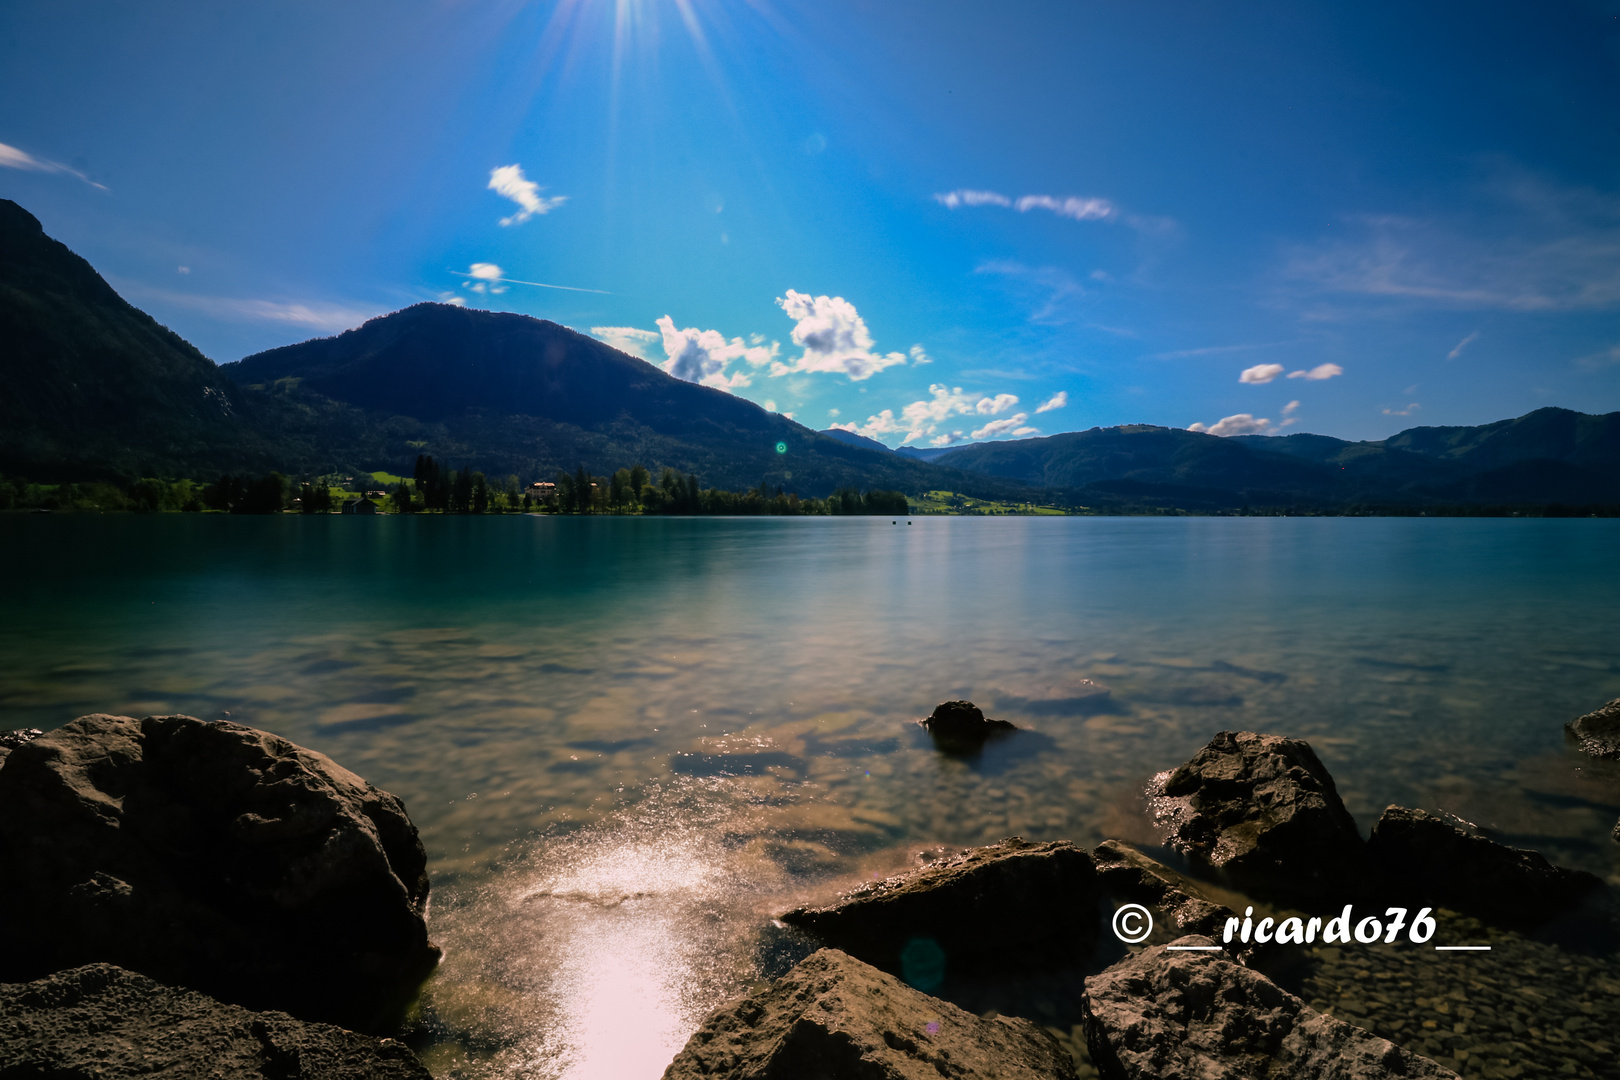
<point>510,394</point>
<point>930,453</point>
<point>96,387</point>
<point>851,439</point>
<point>1550,455</point>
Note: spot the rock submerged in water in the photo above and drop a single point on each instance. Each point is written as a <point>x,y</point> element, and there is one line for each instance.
<point>1008,905</point>
<point>1263,811</point>
<point>833,1017</point>
<point>960,727</point>
<point>1598,732</point>
<point>1161,1015</point>
<point>213,856</point>
<point>1472,874</point>
<point>1131,875</point>
<point>100,1022</point>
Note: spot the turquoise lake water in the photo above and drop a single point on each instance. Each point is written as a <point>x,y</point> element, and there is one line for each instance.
<point>629,741</point>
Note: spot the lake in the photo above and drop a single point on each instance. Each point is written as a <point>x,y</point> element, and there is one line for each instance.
<point>628,742</point>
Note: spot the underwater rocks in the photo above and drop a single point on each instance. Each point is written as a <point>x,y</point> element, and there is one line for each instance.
<point>1006,905</point>
<point>1161,1015</point>
<point>212,856</point>
<point>1460,870</point>
<point>1598,732</point>
<point>959,727</point>
<point>100,1022</point>
<point>1262,810</point>
<point>833,1017</point>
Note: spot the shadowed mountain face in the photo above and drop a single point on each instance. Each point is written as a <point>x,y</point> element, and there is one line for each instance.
<point>510,394</point>
<point>94,386</point>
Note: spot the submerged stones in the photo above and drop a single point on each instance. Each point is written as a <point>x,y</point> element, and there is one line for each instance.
<point>100,1022</point>
<point>1263,811</point>
<point>1009,904</point>
<point>1470,873</point>
<point>833,1016</point>
<point>212,856</point>
<point>960,727</point>
<point>1127,873</point>
<point>1598,732</point>
<point>1163,1015</point>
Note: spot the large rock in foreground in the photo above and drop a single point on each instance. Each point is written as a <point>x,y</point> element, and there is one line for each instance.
<point>101,1022</point>
<point>1445,865</point>
<point>1163,1015</point>
<point>212,856</point>
<point>1011,904</point>
<point>1598,732</point>
<point>835,1018</point>
<point>1262,810</point>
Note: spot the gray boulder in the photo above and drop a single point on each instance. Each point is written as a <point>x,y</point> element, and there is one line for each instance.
<point>1263,811</point>
<point>1446,865</point>
<point>1598,732</point>
<point>212,856</point>
<point>960,727</point>
<point>1011,904</point>
<point>1162,1015</point>
<point>100,1022</point>
<point>835,1018</point>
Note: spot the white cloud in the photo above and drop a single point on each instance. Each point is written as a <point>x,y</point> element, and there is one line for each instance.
<point>701,356</point>
<point>998,404</point>
<point>508,181</point>
<point>13,158</point>
<point>924,419</point>
<point>1288,410</point>
<point>1240,424</point>
<point>182,270</point>
<point>770,404</point>
<point>313,315</point>
<point>834,338</point>
<point>1070,207</point>
<point>628,339</point>
<point>850,427</point>
<point>1408,411</point>
<point>965,197</point>
<point>1057,401</point>
<point>484,277</point>
<point>1261,373</point>
<point>1461,345</point>
<point>1317,373</point>
<point>452,299</point>
<point>918,357</point>
<point>1013,425</point>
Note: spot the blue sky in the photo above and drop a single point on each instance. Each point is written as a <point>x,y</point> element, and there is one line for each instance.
<point>926,220</point>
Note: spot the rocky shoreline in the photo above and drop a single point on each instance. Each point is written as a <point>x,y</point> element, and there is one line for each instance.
<point>202,899</point>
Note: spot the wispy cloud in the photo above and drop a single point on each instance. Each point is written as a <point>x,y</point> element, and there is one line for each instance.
<point>1288,411</point>
<point>834,338</point>
<point>967,197</point>
<point>1461,345</point>
<point>509,182</point>
<point>1056,401</point>
<point>701,356</point>
<point>628,339</point>
<point>1317,373</point>
<point>13,158</point>
<point>1239,424</point>
<point>1600,359</point>
<point>1260,374</point>
<point>311,314</point>
<point>1054,289</point>
<point>1070,206</point>
<point>1524,244</point>
<point>1390,410</point>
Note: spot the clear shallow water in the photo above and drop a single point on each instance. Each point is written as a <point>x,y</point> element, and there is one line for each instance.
<point>628,742</point>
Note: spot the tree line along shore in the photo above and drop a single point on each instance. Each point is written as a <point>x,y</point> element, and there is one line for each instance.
<point>435,489</point>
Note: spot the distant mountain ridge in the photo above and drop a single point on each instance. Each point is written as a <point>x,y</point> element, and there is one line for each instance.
<point>94,387</point>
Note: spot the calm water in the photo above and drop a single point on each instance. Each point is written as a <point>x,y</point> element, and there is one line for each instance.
<point>628,742</point>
